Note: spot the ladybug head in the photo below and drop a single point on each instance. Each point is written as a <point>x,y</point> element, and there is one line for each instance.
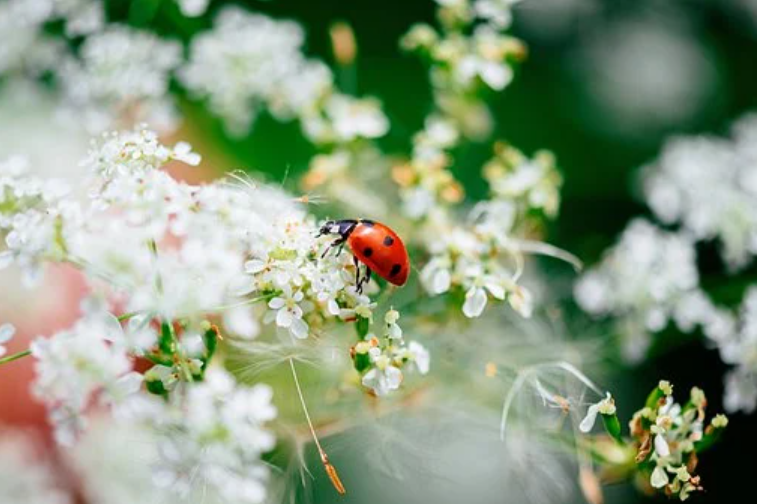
<point>329,227</point>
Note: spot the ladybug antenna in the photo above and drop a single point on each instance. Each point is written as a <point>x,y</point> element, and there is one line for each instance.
<point>330,469</point>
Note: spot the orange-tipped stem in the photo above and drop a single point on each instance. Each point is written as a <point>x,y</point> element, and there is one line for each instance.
<point>330,469</point>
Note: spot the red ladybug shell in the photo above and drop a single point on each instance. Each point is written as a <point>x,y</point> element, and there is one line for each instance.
<point>382,250</point>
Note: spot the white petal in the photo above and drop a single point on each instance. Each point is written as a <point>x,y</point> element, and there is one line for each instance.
<point>254,266</point>
<point>241,322</point>
<point>371,380</point>
<point>395,331</point>
<point>299,328</point>
<point>591,417</point>
<point>522,302</point>
<point>333,307</point>
<point>393,378</point>
<point>6,332</point>
<point>441,281</point>
<point>496,290</point>
<point>659,477</point>
<point>276,303</point>
<point>6,258</point>
<point>129,383</point>
<point>420,356</point>
<point>284,318</point>
<point>661,446</point>
<point>475,302</point>
<point>496,75</point>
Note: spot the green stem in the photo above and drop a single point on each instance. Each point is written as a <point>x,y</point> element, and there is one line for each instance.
<point>126,316</point>
<point>16,356</point>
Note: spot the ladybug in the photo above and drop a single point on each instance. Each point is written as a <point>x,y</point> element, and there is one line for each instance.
<point>373,244</point>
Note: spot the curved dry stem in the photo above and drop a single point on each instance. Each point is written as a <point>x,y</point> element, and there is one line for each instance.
<point>545,249</point>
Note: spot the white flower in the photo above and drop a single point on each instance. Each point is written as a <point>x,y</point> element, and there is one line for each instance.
<point>740,391</point>
<point>497,12</point>
<point>421,356</point>
<point>6,333</point>
<point>494,74</point>
<point>383,380</point>
<point>287,312</point>
<point>605,406</point>
<point>475,302</point>
<point>394,331</point>
<point>436,276</point>
<point>344,119</point>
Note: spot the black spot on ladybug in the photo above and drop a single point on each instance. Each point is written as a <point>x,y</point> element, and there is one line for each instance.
<point>368,252</point>
<point>368,223</point>
<point>388,241</point>
<point>395,270</point>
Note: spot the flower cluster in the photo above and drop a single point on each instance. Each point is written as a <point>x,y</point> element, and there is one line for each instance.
<point>380,360</point>
<point>74,364</point>
<point>166,261</point>
<point>650,277</point>
<point>482,257</point>
<point>120,74</point>
<point>669,435</point>
<point>462,65</point>
<point>212,437</point>
<point>740,350</point>
<point>708,186</point>
<point>33,478</point>
<point>117,74</point>
<point>248,62</point>
<point>28,222</point>
<point>666,438</point>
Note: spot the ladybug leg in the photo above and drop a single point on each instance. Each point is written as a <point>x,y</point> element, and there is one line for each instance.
<point>339,242</point>
<point>358,285</point>
<point>366,278</point>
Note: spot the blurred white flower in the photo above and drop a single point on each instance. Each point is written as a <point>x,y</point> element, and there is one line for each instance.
<point>248,62</point>
<point>708,186</point>
<point>26,475</point>
<point>210,439</point>
<point>73,365</point>
<point>193,8</point>
<point>497,12</point>
<point>740,391</point>
<point>345,119</point>
<point>420,356</point>
<point>6,334</point>
<point>383,377</point>
<point>641,281</point>
<point>121,75</point>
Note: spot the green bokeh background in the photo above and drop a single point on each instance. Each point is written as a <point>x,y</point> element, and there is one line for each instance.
<point>546,107</point>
